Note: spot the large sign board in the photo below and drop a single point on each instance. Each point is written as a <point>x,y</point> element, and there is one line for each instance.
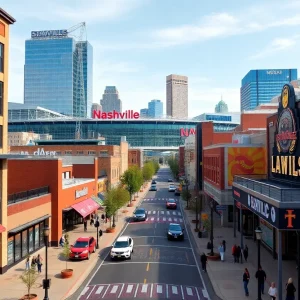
<point>49,34</point>
<point>127,114</point>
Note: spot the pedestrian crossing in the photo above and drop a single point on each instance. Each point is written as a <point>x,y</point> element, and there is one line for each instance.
<point>142,291</point>
<point>157,199</point>
<point>160,219</point>
<point>164,213</point>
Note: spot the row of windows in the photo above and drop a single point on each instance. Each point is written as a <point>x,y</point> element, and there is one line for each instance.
<point>1,58</point>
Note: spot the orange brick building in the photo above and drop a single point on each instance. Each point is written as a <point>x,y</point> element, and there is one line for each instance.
<point>135,157</point>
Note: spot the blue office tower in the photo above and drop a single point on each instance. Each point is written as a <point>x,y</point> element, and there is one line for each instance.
<point>260,86</point>
<point>58,73</point>
<point>155,109</point>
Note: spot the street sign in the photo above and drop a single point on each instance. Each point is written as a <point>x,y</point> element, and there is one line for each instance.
<point>204,216</point>
<point>221,207</point>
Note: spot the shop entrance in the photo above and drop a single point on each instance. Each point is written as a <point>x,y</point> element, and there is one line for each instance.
<point>70,218</point>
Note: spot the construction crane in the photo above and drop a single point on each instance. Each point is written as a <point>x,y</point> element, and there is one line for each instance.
<point>78,32</point>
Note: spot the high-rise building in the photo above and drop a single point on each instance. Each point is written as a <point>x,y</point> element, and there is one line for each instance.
<point>155,109</point>
<point>144,112</point>
<point>96,106</point>
<point>177,96</point>
<point>221,107</point>
<point>260,86</point>
<point>58,73</point>
<point>110,100</point>
<point>5,21</point>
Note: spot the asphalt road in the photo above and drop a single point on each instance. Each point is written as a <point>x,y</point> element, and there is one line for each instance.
<point>159,269</point>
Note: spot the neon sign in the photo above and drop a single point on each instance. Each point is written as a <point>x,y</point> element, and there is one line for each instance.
<point>128,114</point>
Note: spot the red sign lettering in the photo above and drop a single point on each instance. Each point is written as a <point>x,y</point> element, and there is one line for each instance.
<point>187,132</point>
<point>289,216</point>
<point>127,114</point>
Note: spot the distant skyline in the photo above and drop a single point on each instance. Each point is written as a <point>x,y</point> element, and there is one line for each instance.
<point>137,43</point>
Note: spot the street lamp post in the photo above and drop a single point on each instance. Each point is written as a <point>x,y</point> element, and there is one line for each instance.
<point>197,214</point>
<point>258,234</point>
<point>212,228</point>
<point>97,224</point>
<point>46,281</point>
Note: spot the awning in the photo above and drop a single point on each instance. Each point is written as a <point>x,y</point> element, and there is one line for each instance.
<point>2,228</point>
<point>26,225</point>
<point>86,207</point>
<point>98,199</point>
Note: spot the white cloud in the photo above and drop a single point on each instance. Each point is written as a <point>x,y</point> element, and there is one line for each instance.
<point>277,45</point>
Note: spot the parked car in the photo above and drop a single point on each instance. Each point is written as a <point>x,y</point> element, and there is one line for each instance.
<point>172,188</point>
<point>177,192</point>
<point>175,232</point>
<point>171,203</point>
<point>140,214</point>
<point>153,182</point>
<point>170,180</point>
<point>83,247</point>
<point>153,187</point>
<point>122,248</point>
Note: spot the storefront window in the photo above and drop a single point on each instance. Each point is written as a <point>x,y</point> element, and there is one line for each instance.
<point>10,250</point>
<point>36,237</point>
<point>267,233</point>
<point>42,243</point>
<point>17,246</point>
<point>30,239</point>
<point>24,243</point>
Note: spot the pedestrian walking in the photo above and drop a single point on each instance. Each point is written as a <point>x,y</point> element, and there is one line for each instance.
<point>39,263</point>
<point>261,277</point>
<point>33,262</point>
<point>224,245</point>
<point>203,260</point>
<point>246,278</point>
<point>290,290</point>
<point>246,252</point>
<point>273,291</point>
<point>85,224</point>
<point>27,263</point>
<point>233,251</point>
<point>238,253</point>
<point>62,241</point>
<point>221,251</point>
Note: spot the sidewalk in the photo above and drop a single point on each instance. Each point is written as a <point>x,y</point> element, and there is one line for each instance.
<point>226,277</point>
<point>12,288</point>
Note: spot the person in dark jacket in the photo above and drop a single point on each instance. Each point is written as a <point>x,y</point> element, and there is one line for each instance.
<point>246,278</point>
<point>224,245</point>
<point>261,277</point>
<point>290,290</point>
<point>246,252</point>
<point>233,251</point>
<point>203,260</point>
<point>238,254</point>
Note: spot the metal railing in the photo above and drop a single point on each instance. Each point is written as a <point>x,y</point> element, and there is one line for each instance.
<point>25,195</point>
<point>268,189</point>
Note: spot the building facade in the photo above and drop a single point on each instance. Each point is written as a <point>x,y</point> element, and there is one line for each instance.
<point>96,106</point>
<point>25,138</point>
<point>260,86</point>
<point>135,157</point>
<point>111,100</point>
<point>190,161</point>
<point>5,21</point>
<point>177,96</point>
<point>221,107</point>
<point>144,113</point>
<point>58,73</point>
<point>155,109</point>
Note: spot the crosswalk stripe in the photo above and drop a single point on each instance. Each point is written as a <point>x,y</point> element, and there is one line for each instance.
<point>189,291</point>
<point>99,290</point>
<point>170,219</point>
<point>168,212</point>
<point>162,212</point>
<point>175,219</point>
<point>144,288</point>
<point>114,289</point>
<point>164,219</point>
<point>180,220</point>
<point>174,290</point>
<point>84,290</point>
<point>159,289</point>
<point>152,219</point>
<point>157,219</point>
<point>151,290</point>
<point>174,212</point>
<point>179,213</point>
<point>129,288</point>
<point>154,212</point>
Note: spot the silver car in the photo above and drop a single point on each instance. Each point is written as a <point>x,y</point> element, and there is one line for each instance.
<point>140,214</point>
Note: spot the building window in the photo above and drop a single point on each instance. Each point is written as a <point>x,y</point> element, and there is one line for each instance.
<point>1,135</point>
<point>1,57</point>
<point>1,97</point>
<point>68,152</point>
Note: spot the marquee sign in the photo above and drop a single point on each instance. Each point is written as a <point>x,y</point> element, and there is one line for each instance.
<point>49,34</point>
<point>127,114</point>
<point>187,132</point>
<point>286,152</point>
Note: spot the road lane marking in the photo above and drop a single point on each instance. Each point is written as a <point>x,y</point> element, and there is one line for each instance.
<point>145,262</point>
<point>84,290</point>
<point>114,289</point>
<point>198,294</point>
<point>174,290</point>
<point>159,289</point>
<point>149,236</point>
<point>151,290</point>
<point>137,287</point>
<point>145,280</point>
<point>129,288</point>
<point>121,290</point>
<point>189,248</point>
<point>167,291</point>
<point>90,293</point>
<point>151,250</point>
<point>144,287</point>
<point>187,257</point>
<point>147,268</point>
<point>105,291</point>
<point>182,292</point>
<point>189,291</point>
<point>100,289</point>
<point>205,294</point>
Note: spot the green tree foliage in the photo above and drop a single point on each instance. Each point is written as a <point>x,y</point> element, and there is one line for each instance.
<point>174,166</point>
<point>29,278</point>
<point>148,171</point>
<point>132,179</point>
<point>185,194</point>
<point>156,166</point>
<point>65,253</point>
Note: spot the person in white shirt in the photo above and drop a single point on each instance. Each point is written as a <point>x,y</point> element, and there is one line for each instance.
<point>273,291</point>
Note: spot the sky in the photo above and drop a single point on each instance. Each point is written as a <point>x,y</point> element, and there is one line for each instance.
<point>137,43</point>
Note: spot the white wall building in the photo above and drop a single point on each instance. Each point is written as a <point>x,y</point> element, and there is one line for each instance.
<point>190,160</point>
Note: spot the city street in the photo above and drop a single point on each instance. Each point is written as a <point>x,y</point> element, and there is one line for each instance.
<point>159,268</point>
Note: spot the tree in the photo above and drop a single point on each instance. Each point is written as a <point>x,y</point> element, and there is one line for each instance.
<point>132,179</point>
<point>148,171</point>
<point>174,166</point>
<point>29,278</point>
<point>114,199</point>
<point>65,253</point>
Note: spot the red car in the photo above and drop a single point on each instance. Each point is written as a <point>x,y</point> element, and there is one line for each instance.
<point>83,247</point>
<point>171,203</point>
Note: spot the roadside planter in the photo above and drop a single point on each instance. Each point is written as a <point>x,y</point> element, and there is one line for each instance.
<point>29,278</point>
<point>110,230</point>
<point>65,253</point>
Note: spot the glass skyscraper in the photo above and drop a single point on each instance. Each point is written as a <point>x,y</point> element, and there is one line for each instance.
<point>51,77</point>
<point>260,86</point>
<point>155,109</point>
